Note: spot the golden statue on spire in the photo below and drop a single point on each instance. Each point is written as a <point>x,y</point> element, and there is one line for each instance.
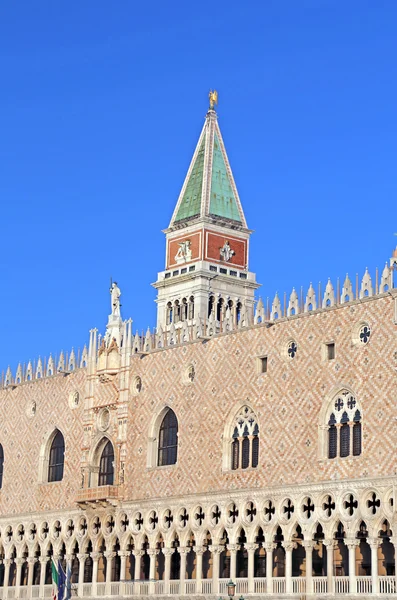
<point>213,96</point>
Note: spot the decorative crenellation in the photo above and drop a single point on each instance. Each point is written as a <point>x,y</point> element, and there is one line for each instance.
<point>224,317</point>
<point>52,366</point>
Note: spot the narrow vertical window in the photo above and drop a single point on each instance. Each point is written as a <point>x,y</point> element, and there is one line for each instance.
<point>246,452</point>
<point>331,351</point>
<point>357,434</point>
<point>255,451</point>
<point>168,440</point>
<point>262,364</point>
<point>235,453</point>
<point>56,458</point>
<point>332,437</point>
<point>106,465</point>
<point>344,437</point>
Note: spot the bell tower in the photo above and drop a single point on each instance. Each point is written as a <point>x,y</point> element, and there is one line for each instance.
<point>206,272</point>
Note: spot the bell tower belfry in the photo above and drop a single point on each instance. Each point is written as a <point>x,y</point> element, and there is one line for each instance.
<point>206,272</point>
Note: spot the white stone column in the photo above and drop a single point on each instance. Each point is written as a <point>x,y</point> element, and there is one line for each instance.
<point>95,558</point>
<point>308,546</point>
<point>269,547</point>
<point>138,558</point>
<point>182,571</point>
<point>82,558</point>
<point>18,562</point>
<point>251,564</point>
<point>374,545</point>
<point>352,545</point>
<point>108,577</point>
<point>152,552</point>
<point>216,552</point>
<point>199,569</point>
<point>137,570</point>
<point>123,562</point>
<point>233,559</point>
<point>288,547</point>
<point>168,552</point>
<point>7,563</point>
<point>330,545</point>
<point>31,562</point>
<point>43,565</point>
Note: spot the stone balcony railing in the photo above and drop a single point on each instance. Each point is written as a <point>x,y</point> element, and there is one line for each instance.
<point>280,588</point>
<point>103,493</point>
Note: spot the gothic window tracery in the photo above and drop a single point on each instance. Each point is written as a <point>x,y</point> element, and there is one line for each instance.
<point>56,458</point>
<point>245,440</point>
<point>168,440</point>
<point>344,426</point>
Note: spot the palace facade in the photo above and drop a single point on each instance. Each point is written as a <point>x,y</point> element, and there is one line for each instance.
<point>237,440</point>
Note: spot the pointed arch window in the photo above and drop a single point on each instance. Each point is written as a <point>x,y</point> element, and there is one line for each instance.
<point>344,426</point>
<point>245,441</point>
<point>332,437</point>
<point>357,434</point>
<point>106,465</point>
<point>56,458</point>
<point>168,440</point>
<point>1,465</point>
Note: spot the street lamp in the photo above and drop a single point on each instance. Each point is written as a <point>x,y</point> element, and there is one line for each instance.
<point>231,588</point>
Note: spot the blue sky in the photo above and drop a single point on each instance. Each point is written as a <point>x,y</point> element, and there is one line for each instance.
<point>101,106</point>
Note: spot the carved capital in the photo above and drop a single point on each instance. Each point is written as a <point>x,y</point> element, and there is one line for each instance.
<point>308,544</point>
<point>250,547</point>
<point>19,561</point>
<point>289,546</point>
<point>393,540</point>
<point>124,553</point>
<point>184,550</point>
<point>152,551</point>
<point>138,553</point>
<point>96,556</point>
<point>232,547</point>
<point>352,543</point>
<point>168,551</point>
<point>216,549</point>
<point>32,559</point>
<point>330,543</point>
<point>374,542</point>
<point>200,551</point>
<point>43,559</point>
<point>110,555</point>
<point>82,557</point>
<point>269,546</point>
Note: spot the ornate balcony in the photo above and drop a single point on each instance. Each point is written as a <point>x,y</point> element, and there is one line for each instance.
<point>104,494</point>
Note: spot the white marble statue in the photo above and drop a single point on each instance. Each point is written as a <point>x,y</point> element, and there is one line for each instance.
<point>115,299</point>
<point>184,253</point>
<point>226,252</point>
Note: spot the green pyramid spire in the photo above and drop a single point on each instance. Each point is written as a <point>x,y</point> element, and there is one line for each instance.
<point>191,200</point>
<point>209,189</point>
<point>223,201</point>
